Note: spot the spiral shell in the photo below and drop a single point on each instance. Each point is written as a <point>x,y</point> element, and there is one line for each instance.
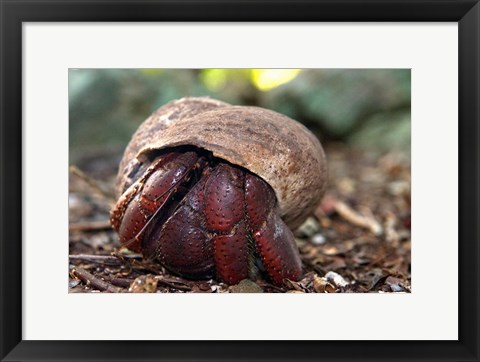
<point>278,149</point>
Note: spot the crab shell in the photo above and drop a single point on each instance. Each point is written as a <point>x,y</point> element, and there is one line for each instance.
<point>280,150</point>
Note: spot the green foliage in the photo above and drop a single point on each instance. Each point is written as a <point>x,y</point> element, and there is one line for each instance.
<point>337,102</point>
<point>368,108</point>
<point>384,131</point>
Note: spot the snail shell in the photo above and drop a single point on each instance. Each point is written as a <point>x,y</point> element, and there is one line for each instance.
<point>275,147</point>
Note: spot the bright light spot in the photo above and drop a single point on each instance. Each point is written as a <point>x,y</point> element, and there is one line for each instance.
<point>214,79</point>
<point>266,79</point>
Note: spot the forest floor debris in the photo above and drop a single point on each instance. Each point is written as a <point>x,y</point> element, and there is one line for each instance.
<point>358,239</point>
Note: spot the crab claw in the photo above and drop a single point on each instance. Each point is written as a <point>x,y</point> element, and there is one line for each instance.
<point>149,197</point>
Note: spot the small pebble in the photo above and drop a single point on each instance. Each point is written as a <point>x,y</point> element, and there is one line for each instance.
<point>396,288</point>
<point>246,286</point>
<point>318,239</point>
<point>72,283</point>
<point>395,284</point>
<point>336,279</point>
<point>309,228</point>
<point>144,284</point>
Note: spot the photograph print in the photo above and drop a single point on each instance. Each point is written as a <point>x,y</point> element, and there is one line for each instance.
<point>239,181</point>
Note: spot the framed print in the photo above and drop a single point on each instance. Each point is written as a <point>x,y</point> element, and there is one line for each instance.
<point>238,181</point>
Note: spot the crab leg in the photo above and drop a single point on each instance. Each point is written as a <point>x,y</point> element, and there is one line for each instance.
<point>181,244</point>
<point>274,240</point>
<point>224,216</point>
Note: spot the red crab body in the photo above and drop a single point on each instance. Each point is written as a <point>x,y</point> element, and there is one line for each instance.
<point>202,217</point>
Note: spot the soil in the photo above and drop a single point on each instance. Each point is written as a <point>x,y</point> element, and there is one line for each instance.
<point>356,241</point>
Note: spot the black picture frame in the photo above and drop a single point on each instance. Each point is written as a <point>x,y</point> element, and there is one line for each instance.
<point>14,12</point>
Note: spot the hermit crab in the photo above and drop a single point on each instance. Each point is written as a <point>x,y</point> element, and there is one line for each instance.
<point>211,190</point>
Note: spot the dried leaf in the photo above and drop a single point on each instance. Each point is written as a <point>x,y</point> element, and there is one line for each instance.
<point>321,285</point>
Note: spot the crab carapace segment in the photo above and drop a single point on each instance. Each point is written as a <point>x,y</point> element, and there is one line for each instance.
<point>202,217</point>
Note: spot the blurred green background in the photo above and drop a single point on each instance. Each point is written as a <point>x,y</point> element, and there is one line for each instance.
<point>368,109</point>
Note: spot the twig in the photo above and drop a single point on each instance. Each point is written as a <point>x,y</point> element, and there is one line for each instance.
<point>91,280</point>
<point>92,183</point>
<point>122,282</point>
<point>366,222</point>
<point>268,285</point>
<point>172,284</point>
<point>104,259</point>
<point>391,235</point>
<point>116,261</point>
<point>90,226</point>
